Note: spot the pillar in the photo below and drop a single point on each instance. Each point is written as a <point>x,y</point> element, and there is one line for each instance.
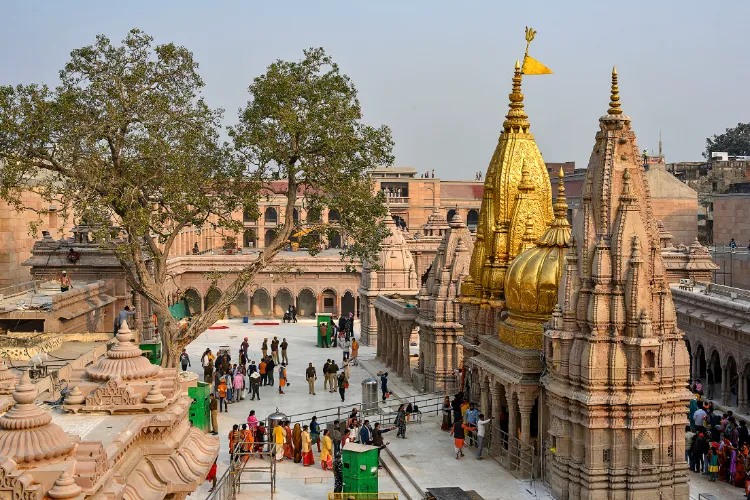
<point>396,347</point>
<point>497,446</point>
<point>525,411</point>
<point>484,398</point>
<point>724,385</point>
<point>512,406</point>
<point>387,345</point>
<point>406,337</point>
<point>742,394</point>
<point>379,329</point>
<point>138,323</point>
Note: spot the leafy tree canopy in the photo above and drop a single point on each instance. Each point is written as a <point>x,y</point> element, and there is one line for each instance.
<point>735,141</point>
<point>125,138</point>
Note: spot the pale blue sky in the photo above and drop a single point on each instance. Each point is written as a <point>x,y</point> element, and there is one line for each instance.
<point>438,73</point>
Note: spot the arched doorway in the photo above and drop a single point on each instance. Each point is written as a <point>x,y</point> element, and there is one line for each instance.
<point>333,216</point>
<point>701,368</point>
<point>193,299</point>
<point>295,216</point>
<point>451,213</point>
<point>306,303</point>
<point>269,237</point>
<point>335,239</point>
<point>713,376</point>
<point>472,220</point>
<point>347,303</point>
<point>249,239</point>
<point>239,306</point>
<point>328,301</point>
<point>270,216</point>
<point>281,301</point>
<point>212,297</point>
<point>503,408</point>
<point>260,303</point>
<point>730,398</point>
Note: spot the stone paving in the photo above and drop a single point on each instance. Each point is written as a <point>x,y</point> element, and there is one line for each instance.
<point>426,454</point>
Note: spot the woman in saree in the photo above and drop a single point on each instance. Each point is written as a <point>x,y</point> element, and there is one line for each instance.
<point>297,443</point>
<point>289,443</point>
<point>326,454</point>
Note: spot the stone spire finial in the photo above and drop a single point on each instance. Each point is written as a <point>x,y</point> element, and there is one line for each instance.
<point>123,360</point>
<point>26,431</point>
<point>561,206</point>
<point>64,487</point>
<point>517,120</point>
<point>614,99</point>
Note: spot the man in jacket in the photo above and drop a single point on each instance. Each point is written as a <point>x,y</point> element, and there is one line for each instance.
<point>365,433</point>
<point>275,350</point>
<point>255,385</point>
<point>284,345</point>
<point>336,437</point>
<point>213,407</point>
<point>184,360</point>
<point>326,378</point>
<point>311,377</point>
<point>333,370</point>
<point>270,366</point>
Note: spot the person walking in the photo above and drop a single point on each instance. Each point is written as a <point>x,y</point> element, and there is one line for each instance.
<point>252,421</point>
<point>262,371</point>
<point>264,347</point>
<point>270,366</point>
<point>297,442</point>
<point>311,377</point>
<point>326,378</point>
<point>294,313</point>
<point>347,369</point>
<point>245,345</point>
<point>326,454</point>
<point>459,434</point>
<point>255,385</point>
<point>282,378</point>
<point>336,436</point>
<point>447,411</point>
<point>383,384</point>
<point>284,345</point>
<point>275,350</point>
<point>343,384</point>
<point>213,407</point>
<point>333,370</point>
<point>222,388</point>
<point>279,436</point>
<point>315,432</point>
<point>400,422</point>
<point>238,384</point>
<point>355,350</point>
<point>184,360</point>
<point>481,430</point>
<point>307,454</point>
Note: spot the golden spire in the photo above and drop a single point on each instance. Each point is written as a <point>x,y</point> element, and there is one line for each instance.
<point>517,120</point>
<point>561,206</point>
<point>614,103</point>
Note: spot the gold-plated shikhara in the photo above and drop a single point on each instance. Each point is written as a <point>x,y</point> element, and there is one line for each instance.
<point>517,201</point>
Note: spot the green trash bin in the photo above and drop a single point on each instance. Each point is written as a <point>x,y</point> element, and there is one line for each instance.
<point>323,318</point>
<point>199,413</point>
<point>360,474</point>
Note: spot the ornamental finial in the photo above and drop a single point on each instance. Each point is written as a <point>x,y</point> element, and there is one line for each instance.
<point>614,99</point>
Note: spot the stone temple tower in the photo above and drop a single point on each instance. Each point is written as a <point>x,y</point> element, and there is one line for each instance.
<point>617,366</point>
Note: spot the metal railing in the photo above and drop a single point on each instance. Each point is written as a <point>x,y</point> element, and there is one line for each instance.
<point>248,459</point>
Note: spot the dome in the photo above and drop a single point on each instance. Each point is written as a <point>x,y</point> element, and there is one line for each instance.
<point>123,360</point>
<point>27,433</point>
<point>396,270</point>
<point>532,281</point>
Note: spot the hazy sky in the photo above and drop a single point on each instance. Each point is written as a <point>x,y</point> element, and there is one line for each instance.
<point>439,73</point>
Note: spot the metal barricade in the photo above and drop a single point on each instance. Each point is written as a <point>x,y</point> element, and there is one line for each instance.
<point>251,463</point>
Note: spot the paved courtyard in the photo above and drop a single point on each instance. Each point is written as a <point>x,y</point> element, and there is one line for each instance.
<point>426,454</point>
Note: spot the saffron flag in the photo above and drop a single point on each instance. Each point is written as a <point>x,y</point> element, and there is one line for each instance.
<point>533,67</point>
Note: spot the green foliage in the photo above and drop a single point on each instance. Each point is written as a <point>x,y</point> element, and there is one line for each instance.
<point>126,139</point>
<point>735,141</point>
<point>302,132</point>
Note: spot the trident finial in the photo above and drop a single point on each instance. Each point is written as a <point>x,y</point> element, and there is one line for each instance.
<point>529,37</point>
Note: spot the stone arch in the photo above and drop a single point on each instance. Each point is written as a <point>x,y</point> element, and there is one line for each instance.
<point>193,298</point>
<point>271,216</point>
<point>732,385</point>
<point>328,301</point>
<point>260,303</point>
<point>282,299</point>
<point>212,297</point>
<point>347,303</point>
<point>472,220</point>
<point>334,239</point>
<point>269,237</point>
<point>451,213</point>
<point>306,303</point>
<point>249,239</point>
<point>239,306</point>
<point>713,374</point>
<point>702,362</point>
<point>429,196</point>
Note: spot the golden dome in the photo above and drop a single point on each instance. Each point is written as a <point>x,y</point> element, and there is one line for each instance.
<point>532,280</point>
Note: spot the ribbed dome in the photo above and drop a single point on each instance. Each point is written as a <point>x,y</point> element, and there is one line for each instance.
<point>533,277</point>
<point>123,360</point>
<point>26,432</point>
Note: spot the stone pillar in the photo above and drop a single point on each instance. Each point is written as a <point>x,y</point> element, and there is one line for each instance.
<point>496,439</point>
<point>138,323</point>
<point>484,398</point>
<point>525,423</point>
<point>742,394</point>
<point>512,406</point>
<point>724,385</point>
<point>396,347</point>
<point>379,327</point>
<point>406,365</point>
<point>387,347</point>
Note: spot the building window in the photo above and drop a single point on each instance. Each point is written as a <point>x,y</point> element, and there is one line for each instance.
<point>327,301</point>
<point>647,457</point>
<point>670,451</point>
<point>605,456</point>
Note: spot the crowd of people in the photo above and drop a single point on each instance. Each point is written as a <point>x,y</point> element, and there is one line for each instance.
<point>716,443</point>
<point>463,420</point>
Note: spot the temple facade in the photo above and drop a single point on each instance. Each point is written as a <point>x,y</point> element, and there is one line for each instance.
<point>616,364</point>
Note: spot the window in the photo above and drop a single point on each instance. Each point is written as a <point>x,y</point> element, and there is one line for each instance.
<point>327,301</point>
<point>605,456</point>
<point>670,450</point>
<point>647,457</point>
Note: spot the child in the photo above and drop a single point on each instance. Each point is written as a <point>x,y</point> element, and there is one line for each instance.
<point>713,464</point>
